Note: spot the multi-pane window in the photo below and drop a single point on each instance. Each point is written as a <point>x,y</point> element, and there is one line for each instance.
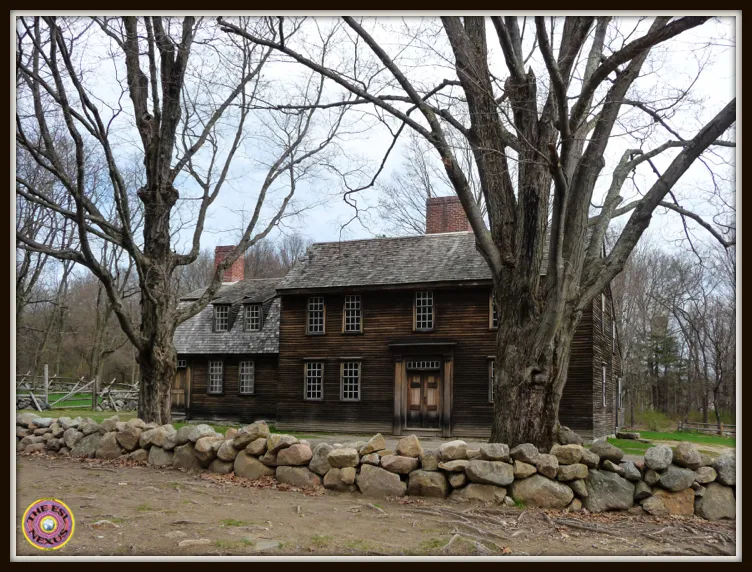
<point>252,317</point>
<point>491,369</point>
<point>314,380</point>
<point>221,317</point>
<point>494,319</point>
<point>181,363</point>
<point>215,377</point>
<point>247,377</point>
<point>316,315</point>
<point>603,384</point>
<point>427,364</point>
<point>351,380</point>
<point>352,314</point>
<point>424,310</point>
<point>603,312</point>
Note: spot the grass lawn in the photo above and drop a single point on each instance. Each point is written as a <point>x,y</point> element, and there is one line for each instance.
<point>699,438</point>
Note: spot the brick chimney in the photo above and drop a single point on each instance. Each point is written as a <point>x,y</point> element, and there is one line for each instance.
<point>445,214</point>
<point>234,273</point>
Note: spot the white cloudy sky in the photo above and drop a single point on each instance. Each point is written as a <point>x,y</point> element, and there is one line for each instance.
<point>711,46</point>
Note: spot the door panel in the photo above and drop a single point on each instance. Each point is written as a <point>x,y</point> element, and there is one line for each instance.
<point>178,390</point>
<point>414,400</point>
<point>430,400</point>
<point>423,398</point>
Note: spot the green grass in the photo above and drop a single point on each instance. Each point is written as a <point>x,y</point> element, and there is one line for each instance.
<point>233,522</point>
<point>319,541</point>
<point>700,438</point>
<point>97,416</point>
<point>144,508</point>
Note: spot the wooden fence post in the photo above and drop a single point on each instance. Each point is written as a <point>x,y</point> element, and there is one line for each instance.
<point>46,384</point>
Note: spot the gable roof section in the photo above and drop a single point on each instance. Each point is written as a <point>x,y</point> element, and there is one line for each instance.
<point>195,335</point>
<point>446,257</point>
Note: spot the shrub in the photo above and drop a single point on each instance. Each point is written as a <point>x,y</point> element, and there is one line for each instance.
<point>655,420</point>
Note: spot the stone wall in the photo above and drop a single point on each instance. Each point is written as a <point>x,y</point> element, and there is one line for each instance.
<point>569,477</point>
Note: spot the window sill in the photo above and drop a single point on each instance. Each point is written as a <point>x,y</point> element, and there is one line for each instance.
<point>416,331</point>
<point>315,333</point>
<point>352,333</point>
<point>308,399</point>
<point>215,394</point>
<point>247,394</point>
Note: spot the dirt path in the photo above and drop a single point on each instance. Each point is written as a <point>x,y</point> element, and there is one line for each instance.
<point>148,511</point>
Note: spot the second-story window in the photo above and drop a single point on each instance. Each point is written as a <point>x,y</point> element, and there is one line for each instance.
<point>424,310</point>
<point>316,315</point>
<point>613,336</point>
<point>603,312</point>
<point>252,317</point>
<point>493,312</point>
<point>352,316</point>
<point>221,317</point>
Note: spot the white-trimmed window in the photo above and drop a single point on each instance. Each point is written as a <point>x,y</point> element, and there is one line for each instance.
<point>181,363</point>
<point>216,377</point>
<point>247,377</point>
<point>424,364</point>
<point>316,315</point>
<point>603,384</point>
<point>314,380</point>
<point>491,369</point>
<point>352,314</point>
<point>603,312</point>
<point>350,381</point>
<point>221,317</point>
<point>493,312</point>
<point>424,310</point>
<point>252,317</point>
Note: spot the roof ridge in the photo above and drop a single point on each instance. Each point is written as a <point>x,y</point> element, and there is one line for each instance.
<point>414,237</point>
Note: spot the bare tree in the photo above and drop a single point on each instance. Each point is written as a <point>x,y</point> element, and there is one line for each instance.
<point>559,142</point>
<point>291,248</point>
<point>188,94</point>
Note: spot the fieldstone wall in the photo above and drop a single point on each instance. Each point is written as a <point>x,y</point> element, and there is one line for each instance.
<point>569,477</point>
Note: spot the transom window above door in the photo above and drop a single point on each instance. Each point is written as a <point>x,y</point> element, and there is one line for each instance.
<point>424,364</point>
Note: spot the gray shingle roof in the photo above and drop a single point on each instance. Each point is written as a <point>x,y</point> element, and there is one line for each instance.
<point>445,257</point>
<point>195,335</point>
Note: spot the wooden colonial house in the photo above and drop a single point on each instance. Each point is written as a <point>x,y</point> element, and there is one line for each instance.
<point>394,335</point>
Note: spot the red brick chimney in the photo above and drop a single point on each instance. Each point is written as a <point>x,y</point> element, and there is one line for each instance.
<point>234,273</point>
<point>445,214</point>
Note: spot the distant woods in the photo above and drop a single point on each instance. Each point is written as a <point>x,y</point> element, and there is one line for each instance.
<point>66,321</point>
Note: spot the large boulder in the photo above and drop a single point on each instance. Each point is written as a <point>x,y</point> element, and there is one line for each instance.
<point>429,460</point>
<point>565,436</point>
<point>377,482</point>
<point>608,465</point>
<point>275,442</point>
<point>590,459</point>
<point>725,466</point>
<point>226,451</point>
<point>687,455</point>
<point>631,472</point>
<point>340,479</point>
<point>193,433</point>
<point>71,437</point>
<point>495,452</point>
<point>206,449</point>
<point>372,459</point>
<point>250,467</point>
<point>677,479</point>
<point>574,472</point>
<point>579,488</point>
<point>567,454</point>
<point>399,464</point>
<point>184,458</point>
<point>108,447</point>
<point>135,422</point>
<point>666,503</point>
<point>256,447</point>
<point>547,465</point>
<point>298,477</point>
<point>523,470</point>
<point>457,480</point>
<point>651,477</point>
<point>409,446</point>
<point>453,450</point>
<point>642,491</point>
<point>427,484</point>
<point>295,455</point>
<point>159,457</point>
<point>162,436</point>
<point>319,459</point>
<point>220,467</point>
<point>607,491</point>
<point>139,456</point>
<point>345,457</point>
<point>110,424</point>
<point>128,437</point>
<point>490,472</point>
<point>86,446</point>
<point>457,466</point>
<point>705,475</point>
<point>249,433</point>
<point>478,492</point>
<point>659,457</point>
<point>538,491</point>
<point>375,443</point>
<point>718,502</point>
<point>527,453</point>
<point>606,450</point>
<point>269,459</point>
<point>90,427</point>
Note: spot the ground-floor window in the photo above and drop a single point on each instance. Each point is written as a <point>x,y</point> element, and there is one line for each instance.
<point>314,380</point>
<point>350,381</point>
<point>491,368</point>
<point>215,377</point>
<point>247,377</point>
<point>603,384</point>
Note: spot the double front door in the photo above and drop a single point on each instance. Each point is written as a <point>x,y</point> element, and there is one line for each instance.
<point>423,394</point>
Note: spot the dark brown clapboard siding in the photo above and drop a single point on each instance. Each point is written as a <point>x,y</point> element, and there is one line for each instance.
<point>461,314</point>
<point>604,418</point>
<point>231,405</point>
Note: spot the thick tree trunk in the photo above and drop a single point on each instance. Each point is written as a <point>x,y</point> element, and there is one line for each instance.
<point>528,388</point>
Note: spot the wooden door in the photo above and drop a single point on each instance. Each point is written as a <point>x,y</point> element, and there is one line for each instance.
<point>423,391</point>
<point>178,392</point>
